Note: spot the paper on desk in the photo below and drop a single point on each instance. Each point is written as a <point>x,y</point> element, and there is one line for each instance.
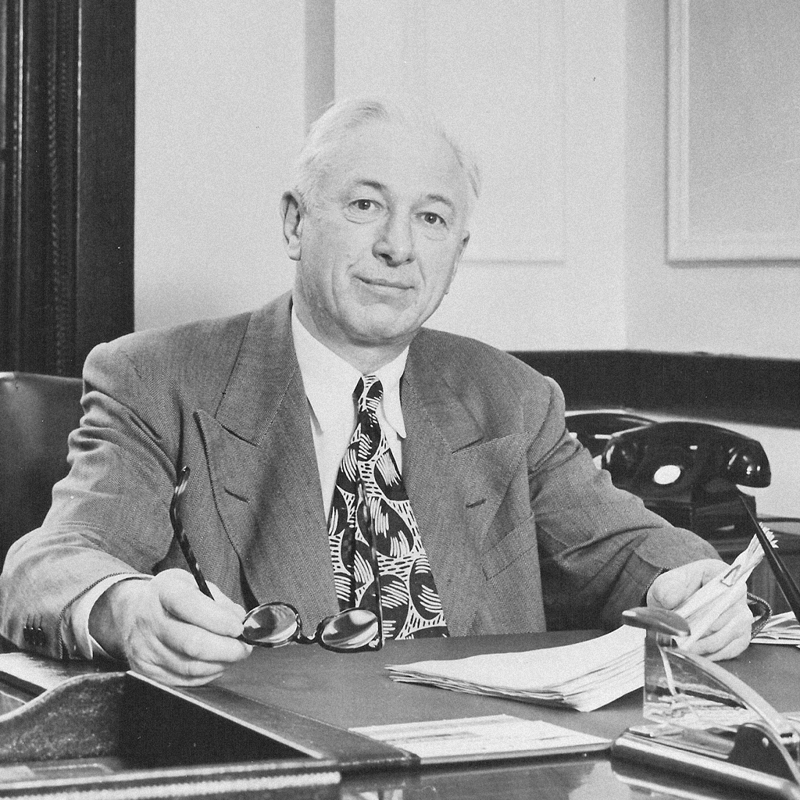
<point>780,629</point>
<point>585,676</point>
<point>480,738</point>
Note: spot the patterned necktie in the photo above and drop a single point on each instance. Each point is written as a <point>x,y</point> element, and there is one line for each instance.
<point>368,475</point>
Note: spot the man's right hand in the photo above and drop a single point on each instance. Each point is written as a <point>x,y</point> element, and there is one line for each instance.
<point>168,630</point>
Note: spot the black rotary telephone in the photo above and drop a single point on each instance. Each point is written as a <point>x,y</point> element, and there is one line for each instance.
<point>688,472</point>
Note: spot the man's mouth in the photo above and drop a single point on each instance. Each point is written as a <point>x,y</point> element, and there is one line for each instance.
<point>382,283</point>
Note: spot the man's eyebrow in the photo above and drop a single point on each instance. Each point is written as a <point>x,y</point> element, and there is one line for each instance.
<point>370,184</point>
<point>441,198</point>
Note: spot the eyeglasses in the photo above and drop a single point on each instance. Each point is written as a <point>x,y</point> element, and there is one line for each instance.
<point>276,624</point>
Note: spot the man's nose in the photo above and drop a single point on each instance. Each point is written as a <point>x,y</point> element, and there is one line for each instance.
<point>395,241</point>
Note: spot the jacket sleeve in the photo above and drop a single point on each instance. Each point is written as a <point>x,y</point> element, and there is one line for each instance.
<point>600,548</point>
<point>109,516</point>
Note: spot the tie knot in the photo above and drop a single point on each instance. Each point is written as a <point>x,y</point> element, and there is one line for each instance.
<point>369,392</point>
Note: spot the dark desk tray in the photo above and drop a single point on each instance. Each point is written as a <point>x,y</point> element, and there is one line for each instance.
<point>116,731</point>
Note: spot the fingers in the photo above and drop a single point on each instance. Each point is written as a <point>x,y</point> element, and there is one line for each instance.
<point>183,601</point>
<point>728,636</point>
<point>721,626</point>
<point>672,588</point>
<point>173,633</point>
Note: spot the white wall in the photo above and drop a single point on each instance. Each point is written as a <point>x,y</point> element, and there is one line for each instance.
<point>219,116</point>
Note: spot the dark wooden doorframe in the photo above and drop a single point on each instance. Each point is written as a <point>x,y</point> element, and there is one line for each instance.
<point>67,177</point>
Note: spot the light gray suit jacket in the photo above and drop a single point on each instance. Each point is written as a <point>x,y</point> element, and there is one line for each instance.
<point>522,530</point>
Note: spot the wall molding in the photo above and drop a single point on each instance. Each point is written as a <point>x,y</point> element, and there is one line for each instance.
<point>732,160</point>
<point>757,391</point>
<point>67,181</point>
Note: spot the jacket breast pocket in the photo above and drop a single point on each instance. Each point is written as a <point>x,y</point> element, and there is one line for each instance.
<point>514,547</point>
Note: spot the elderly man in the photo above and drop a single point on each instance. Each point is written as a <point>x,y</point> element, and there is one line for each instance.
<point>297,418</point>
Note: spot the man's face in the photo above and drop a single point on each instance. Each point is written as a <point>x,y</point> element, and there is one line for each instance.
<point>379,245</point>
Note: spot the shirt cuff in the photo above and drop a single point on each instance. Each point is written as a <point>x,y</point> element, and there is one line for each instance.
<point>75,624</point>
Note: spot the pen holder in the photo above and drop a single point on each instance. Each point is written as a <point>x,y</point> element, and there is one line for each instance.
<point>690,692</point>
<point>703,717</point>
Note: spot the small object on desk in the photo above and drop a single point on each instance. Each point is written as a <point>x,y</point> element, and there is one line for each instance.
<point>482,738</point>
<point>584,676</point>
<point>780,629</point>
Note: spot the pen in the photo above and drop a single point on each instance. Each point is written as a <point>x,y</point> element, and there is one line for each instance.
<point>779,570</point>
<point>175,517</point>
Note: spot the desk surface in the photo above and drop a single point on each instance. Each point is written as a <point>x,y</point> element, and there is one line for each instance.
<point>354,690</point>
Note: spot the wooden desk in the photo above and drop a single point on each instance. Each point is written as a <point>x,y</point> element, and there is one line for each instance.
<point>351,690</point>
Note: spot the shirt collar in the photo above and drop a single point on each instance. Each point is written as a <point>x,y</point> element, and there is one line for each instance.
<point>329,381</point>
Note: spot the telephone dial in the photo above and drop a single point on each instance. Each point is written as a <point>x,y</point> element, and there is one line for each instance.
<point>688,472</point>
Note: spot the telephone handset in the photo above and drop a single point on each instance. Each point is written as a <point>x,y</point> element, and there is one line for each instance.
<point>688,472</point>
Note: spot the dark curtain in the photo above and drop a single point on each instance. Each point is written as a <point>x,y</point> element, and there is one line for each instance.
<point>67,135</point>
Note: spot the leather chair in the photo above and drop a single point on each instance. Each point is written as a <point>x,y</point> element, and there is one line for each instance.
<point>37,413</point>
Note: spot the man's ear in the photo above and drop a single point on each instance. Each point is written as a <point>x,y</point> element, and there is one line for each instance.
<point>293,214</point>
<point>461,247</point>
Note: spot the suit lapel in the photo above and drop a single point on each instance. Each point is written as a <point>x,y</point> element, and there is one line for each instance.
<point>264,473</point>
<point>456,476</point>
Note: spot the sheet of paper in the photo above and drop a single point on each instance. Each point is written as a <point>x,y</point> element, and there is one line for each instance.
<point>780,629</point>
<point>477,738</point>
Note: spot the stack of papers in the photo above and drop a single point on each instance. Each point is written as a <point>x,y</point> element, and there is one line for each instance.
<point>585,676</point>
<point>780,629</point>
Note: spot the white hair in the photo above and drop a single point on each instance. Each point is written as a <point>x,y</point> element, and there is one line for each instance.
<point>348,115</point>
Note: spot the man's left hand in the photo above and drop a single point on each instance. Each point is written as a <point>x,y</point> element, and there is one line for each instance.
<point>729,635</point>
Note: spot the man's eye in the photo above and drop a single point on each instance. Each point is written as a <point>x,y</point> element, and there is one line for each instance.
<point>363,204</point>
<point>429,218</point>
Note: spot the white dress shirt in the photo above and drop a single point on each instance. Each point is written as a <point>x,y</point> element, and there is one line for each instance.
<point>329,382</point>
